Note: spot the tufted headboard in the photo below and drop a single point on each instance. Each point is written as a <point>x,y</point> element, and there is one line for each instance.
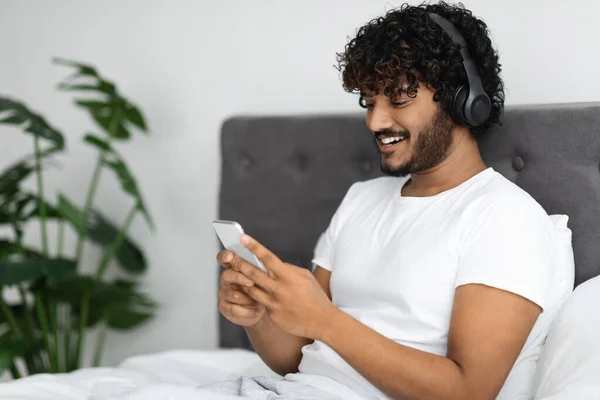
<point>284,176</point>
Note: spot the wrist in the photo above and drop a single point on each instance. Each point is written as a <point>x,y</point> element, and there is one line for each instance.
<point>264,320</point>
<point>331,322</point>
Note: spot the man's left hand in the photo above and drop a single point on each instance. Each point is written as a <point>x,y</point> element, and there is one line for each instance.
<point>293,297</point>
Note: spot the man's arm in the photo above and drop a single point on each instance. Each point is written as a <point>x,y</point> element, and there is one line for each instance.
<point>280,350</point>
<point>487,332</point>
<point>488,329</point>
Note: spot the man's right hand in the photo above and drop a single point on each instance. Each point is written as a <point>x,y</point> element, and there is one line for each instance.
<point>234,304</point>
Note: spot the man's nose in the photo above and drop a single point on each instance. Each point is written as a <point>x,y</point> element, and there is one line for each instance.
<point>379,119</point>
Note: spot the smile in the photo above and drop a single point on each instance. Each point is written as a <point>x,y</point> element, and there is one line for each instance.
<point>388,144</point>
<point>390,141</point>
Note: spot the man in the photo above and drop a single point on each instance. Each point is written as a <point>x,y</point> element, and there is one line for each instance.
<point>433,282</point>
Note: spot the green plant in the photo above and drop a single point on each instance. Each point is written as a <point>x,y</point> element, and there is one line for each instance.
<point>57,303</point>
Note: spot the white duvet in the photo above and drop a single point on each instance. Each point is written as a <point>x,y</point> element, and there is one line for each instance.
<point>569,367</point>
<point>174,375</point>
<point>162,376</point>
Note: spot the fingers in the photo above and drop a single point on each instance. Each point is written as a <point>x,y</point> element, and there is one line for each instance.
<point>232,277</point>
<point>254,274</point>
<point>224,257</point>
<point>259,295</point>
<point>237,311</point>
<point>269,260</point>
<point>250,274</point>
<point>237,297</point>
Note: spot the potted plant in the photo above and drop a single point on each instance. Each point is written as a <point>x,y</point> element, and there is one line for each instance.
<point>44,329</point>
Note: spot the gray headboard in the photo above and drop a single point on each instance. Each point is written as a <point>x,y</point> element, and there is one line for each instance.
<point>284,176</point>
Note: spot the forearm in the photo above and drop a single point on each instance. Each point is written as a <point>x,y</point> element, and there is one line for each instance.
<point>400,371</point>
<point>280,350</point>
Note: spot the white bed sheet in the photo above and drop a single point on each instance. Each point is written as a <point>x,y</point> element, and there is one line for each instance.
<point>171,375</point>
<point>162,376</point>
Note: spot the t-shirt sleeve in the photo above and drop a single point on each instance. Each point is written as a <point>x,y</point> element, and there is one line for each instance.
<point>324,249</point>
<point>509,245</point>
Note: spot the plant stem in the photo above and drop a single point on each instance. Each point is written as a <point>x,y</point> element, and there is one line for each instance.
<point>45,361</point>
<point>100,345</point>
<point>10,317</point>
<point>61,237</point>
<point>35,362</point>
<point>88,205</point>
<point>114,125</point>
<point>112,131</point>
<point>40,187</point>
<point>108,255</point>
<point>72,349</point>
<point>85,305</point>
<point>67,339</point>
<point>54,326</point>
<point>28,314</point>
<point>39,305</point>
<point>68,331</point>
<point>100,272</point>
<point>30,362</point>
<point>79,255</point>
<point>33,365</point>
<point>14,371</point>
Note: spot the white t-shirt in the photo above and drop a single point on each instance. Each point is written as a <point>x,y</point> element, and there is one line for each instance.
<point>396,261</point>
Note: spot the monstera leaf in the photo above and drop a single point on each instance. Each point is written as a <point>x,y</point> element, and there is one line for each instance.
<point>9,249</point>
<point>111,111</point>
<point>102,231</point>
<point>16,113</point>
<point>124,319</point>
<point>16,272</point>
<point>115,162</point>
<point>17,206</point>
<point>71,213</point>
<point>10,348</point>
<point>22,206</point>
<point>13,175</point>
<point>122,306</point>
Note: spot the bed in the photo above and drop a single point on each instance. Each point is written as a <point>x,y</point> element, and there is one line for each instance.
<point>282,179</point>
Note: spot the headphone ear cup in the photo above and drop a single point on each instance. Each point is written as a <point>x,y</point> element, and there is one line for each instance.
<point>458,105</point>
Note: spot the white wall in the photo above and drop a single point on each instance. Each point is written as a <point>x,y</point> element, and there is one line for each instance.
<point>189,64</point>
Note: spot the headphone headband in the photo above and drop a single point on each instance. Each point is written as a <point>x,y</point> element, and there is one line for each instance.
<point>450,29</point>
<point>471,106</point>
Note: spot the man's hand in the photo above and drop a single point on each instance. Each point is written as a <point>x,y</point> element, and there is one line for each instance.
<point>294,299</point>
<point>234,304</point>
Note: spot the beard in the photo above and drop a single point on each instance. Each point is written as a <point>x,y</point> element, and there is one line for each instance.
<point>431,147</point>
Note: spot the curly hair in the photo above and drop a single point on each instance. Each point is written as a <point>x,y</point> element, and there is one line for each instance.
<point>406,47</point>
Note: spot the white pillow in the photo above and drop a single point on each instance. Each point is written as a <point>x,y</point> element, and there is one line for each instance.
<point>569,366</point>
<point>564,278</point>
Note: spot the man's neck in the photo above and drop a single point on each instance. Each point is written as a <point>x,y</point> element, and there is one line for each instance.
<point>463,162</point>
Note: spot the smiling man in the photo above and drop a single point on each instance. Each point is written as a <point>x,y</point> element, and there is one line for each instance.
<point>433,282</point>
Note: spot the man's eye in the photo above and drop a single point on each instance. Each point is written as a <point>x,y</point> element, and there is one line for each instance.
<point>369,106</point>
<point>400,103</point>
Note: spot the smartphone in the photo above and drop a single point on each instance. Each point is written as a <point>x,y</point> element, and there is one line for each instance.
<point>230,233</point>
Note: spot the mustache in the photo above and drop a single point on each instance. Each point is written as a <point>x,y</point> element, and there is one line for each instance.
<point>391,132</point>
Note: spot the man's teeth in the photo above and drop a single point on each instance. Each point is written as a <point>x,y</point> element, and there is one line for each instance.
<point>390,140</point>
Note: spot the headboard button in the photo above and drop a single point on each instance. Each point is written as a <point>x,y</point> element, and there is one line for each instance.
<point>365,165</point>
<point>518,164</point>
<point>301,161</point>
<point>246,161</point>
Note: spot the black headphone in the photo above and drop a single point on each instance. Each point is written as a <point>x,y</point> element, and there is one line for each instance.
<point>471,105</point>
